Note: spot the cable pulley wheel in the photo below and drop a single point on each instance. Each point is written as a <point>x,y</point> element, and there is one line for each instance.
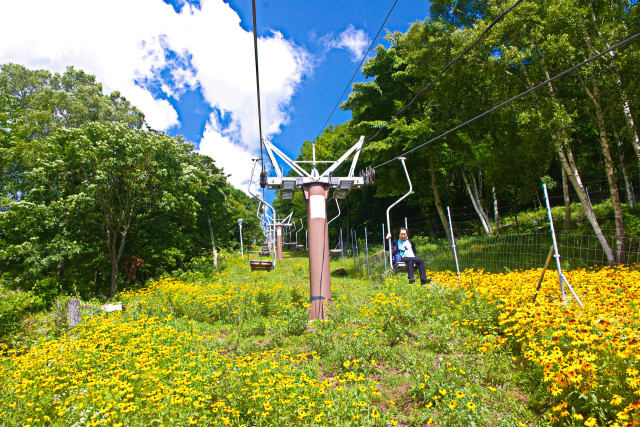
<point>368,176</point>
<point>263,178</point>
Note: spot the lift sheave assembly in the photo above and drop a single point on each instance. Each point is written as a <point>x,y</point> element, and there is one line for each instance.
<point>316,186</point>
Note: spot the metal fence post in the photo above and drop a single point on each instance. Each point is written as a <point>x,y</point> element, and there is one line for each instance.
<point>366,248</point>
<point>453,243</point>
<point>561,276</point>
<point>384,251</point>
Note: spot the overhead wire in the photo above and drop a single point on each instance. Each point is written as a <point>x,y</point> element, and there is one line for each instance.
<point>359,66</point>
<point>446,67</point>
<point>497,107</point>
<point>255,50</point>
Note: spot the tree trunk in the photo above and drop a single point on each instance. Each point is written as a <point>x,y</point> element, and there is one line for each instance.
<point>114,277</point>
<point>623,168</point>
<point>626,107</point>
<point>436,197</point>
<point>496,216</point>
<point>594,94</point>
<point>567,201</point>
<point>115,252</point>
<point>515,214</point>
<point>561,143</point>
<point>477,205</point>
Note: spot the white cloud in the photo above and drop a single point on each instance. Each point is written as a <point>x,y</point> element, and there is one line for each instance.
<point>132,46</point>
<point>354,41</point>
<point>235,159</point>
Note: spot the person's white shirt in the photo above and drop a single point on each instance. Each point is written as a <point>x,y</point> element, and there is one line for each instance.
<point>405,249</point>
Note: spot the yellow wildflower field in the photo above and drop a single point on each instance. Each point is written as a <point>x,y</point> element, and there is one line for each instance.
<point>238,350</point>
<point>589,356</point>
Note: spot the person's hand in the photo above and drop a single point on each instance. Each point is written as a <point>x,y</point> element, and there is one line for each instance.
<point>388,235</point>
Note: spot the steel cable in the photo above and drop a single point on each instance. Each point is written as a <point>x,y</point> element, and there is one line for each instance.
<point>497,107</point>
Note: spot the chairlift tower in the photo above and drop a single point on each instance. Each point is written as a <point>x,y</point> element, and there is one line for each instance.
<point>316,186</point>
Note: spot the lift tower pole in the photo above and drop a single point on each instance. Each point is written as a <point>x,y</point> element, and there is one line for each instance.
<point>316,187</point>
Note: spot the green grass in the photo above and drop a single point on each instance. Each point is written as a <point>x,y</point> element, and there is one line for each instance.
<point>427,341</point>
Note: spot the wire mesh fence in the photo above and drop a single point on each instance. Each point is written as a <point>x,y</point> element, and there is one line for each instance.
<point>525,251</point>
<point>495,254</point>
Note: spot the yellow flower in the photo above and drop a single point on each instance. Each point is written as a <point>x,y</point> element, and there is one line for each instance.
<point>590,422</point>
<point>428,405</point>
<point>346,364</point>
<point>460,394</point>
<point>578,417</point>
<point>374,413</point>
<point>443,391</point>
<point>492,388</point>
<point>471,406</point>
<point>430,421</point>
<point>616,400</point>
<point>393,421</point>
<point>453,404</point>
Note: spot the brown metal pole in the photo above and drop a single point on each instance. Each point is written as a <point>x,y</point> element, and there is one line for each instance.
<point>279,242</point>
<point>319,271</point>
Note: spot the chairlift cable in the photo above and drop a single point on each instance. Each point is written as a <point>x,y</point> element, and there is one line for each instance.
<point>255,50</point>
<point>497,107</point>
<point>359,66</point>
<point>446,67</point>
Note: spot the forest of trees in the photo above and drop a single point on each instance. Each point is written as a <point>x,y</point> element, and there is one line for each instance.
<point>577,129</point>
<point>91,198</point>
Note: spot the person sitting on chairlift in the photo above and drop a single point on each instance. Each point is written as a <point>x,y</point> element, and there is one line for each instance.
<point>404,250</point>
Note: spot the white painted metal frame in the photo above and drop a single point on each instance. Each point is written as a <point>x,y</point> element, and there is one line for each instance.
<point>404,166</point>
<point>305,177</point>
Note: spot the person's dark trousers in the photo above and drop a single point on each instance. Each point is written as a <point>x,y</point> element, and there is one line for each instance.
<point>411,263</point>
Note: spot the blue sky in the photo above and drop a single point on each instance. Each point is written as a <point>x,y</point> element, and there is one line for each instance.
<point>188,64</point>
<point>306,22</point>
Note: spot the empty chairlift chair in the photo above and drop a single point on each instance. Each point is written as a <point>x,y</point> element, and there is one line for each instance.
<point>339,249</point>
<point>260,264</point>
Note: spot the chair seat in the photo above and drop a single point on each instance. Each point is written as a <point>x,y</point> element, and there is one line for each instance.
<point>260,265</point>
<point>400,266</point>
<point>335,251</point>
<point>265,253</point>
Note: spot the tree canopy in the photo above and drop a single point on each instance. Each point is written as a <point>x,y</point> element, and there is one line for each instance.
<point>90,198</point>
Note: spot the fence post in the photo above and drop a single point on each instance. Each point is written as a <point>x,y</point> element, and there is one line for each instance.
<point>241,244</point>
<point>384,251</point>
<point>561,276</point>
<point>453,243</point>
<point>366,248</point>
<point>353,250</point>
<point>355,239</point>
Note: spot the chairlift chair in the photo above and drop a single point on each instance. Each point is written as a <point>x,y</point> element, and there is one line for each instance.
<point>339,249</point>
<point>260,264</point>
<point>301,227</point>
<point>397,266</point>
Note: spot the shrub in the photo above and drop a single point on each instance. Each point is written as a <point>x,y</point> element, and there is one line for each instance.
<point>13,305</point>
